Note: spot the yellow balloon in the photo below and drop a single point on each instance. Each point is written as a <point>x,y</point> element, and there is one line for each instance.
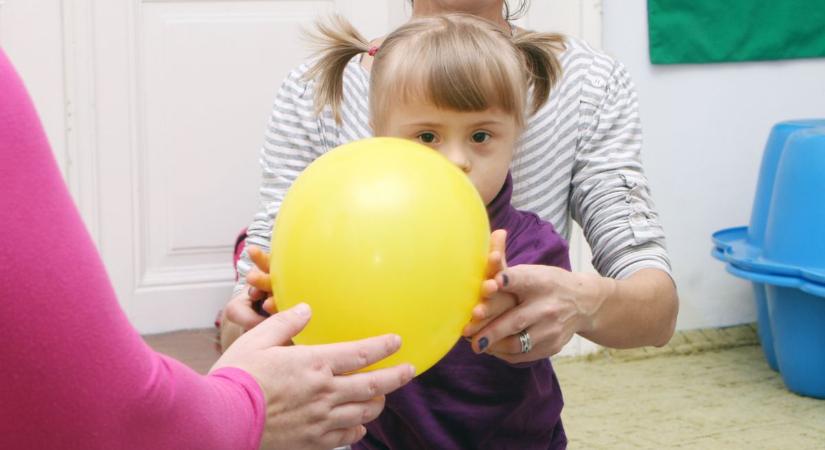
<point>378,236</point>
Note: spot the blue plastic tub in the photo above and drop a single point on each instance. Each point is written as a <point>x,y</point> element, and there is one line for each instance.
<point>795,231</point>
<point>725,252</point>
<point>782,253</point>
<point>796,309</point>
<point>742,246</point>
<point>763,324</point>
<point>767,174</point>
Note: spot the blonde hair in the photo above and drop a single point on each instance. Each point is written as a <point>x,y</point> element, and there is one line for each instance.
<point>455,61</point>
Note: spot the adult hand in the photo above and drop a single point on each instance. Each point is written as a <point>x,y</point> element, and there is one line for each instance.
<point>312,399</point>
<point>549,303</point>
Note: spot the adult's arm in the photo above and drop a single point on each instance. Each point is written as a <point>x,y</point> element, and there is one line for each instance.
<point>611,200</point>
<point>633,302</point>
<point>75,374</point>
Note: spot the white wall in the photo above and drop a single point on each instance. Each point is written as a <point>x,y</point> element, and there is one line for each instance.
<point>37,54</point>
<point>705,127</point>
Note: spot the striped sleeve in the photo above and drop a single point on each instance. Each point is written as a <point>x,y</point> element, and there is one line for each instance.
<point>293,139</point>
<point>610,196</point>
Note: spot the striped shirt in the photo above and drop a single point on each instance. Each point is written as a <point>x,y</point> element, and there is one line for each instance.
<point>579,157</point>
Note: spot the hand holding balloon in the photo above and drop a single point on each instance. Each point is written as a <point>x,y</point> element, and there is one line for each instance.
<point>242,313</point>
<point>259,280</point>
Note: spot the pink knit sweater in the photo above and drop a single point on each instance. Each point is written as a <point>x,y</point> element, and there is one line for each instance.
<point>74,374</point>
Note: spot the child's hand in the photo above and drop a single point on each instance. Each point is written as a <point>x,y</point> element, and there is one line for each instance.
<point>259,280</point>
<point>497,260</point>
<point>493,302</point>
<point>241,309</point>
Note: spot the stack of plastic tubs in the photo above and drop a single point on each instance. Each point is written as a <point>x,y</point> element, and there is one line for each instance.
<point>782,253</point>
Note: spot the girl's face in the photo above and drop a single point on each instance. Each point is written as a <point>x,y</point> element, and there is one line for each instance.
<point>479,143</point>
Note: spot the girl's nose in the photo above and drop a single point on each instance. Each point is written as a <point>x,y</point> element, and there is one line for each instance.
<point>459,157</point>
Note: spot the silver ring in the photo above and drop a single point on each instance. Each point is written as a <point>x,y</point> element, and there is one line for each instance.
<point>526,343</point>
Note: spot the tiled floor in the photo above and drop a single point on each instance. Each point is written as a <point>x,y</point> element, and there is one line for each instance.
<point>708,389</point>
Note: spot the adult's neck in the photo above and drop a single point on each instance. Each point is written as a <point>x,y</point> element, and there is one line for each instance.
<point>491,11</point>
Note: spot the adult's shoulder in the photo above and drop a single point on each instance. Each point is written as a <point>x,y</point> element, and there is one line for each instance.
<point>580,56</point>
<point>591,72</point>
<point>296,83</point>
<point>300,84</point>
<point>581,61</point>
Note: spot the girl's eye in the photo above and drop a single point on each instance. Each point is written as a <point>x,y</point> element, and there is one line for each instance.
<point>427,137</point>
<point>480,137</point>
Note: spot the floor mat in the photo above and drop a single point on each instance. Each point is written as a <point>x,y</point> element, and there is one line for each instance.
<point>707,389</point>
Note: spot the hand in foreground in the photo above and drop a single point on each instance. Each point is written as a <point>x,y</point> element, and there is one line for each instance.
<point>312,400</point>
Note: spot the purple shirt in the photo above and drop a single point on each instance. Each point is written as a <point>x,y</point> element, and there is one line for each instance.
<point>469,401</point>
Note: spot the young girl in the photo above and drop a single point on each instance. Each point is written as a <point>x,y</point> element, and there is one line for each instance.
<point>460,85</point>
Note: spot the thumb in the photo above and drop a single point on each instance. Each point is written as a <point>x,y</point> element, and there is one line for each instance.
<point>282,327</point>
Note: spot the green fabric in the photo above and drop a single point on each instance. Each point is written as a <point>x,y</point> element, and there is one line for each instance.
<point>706,31</point>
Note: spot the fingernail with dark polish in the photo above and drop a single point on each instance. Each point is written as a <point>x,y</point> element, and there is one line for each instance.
<point>505,280</point>
<point>482,344</point>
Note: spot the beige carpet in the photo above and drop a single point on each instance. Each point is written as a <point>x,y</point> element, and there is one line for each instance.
<point>708,389</point>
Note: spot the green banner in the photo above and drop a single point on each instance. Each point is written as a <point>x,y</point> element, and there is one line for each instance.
<point>708,31</point>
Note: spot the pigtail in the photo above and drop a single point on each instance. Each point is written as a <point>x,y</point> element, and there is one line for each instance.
<point>336,42</point>
<point>539,52</point>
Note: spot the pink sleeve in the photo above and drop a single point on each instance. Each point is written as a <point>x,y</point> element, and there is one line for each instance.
<point>73,371</point>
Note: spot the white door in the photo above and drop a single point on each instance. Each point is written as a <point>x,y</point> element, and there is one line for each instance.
<point>176,113</point>
<point>156,110</point>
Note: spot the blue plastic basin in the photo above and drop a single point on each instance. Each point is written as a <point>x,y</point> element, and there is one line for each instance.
<point>796,310</point>
<point>782,253</point>
<point>795,231</point>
